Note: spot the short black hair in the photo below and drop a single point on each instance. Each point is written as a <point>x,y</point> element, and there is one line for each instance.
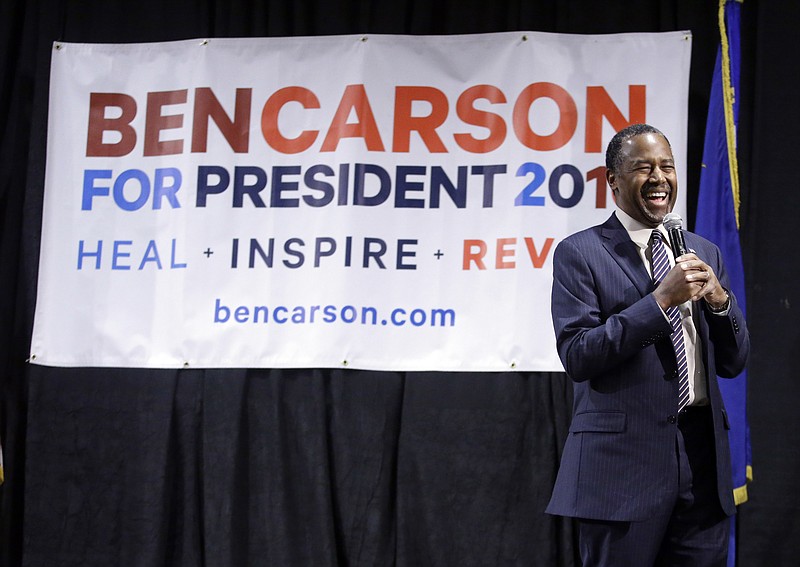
<point>613,157</point>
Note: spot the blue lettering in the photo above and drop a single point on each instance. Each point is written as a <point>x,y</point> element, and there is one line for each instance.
<point>143,191</point>
<point>395,320</point>
<point>118,254</point>
<point>266,257</point>
<point>374,254</point>
<point>204,188</point>
<point>83,253</point>
<point>526,197</point>
<point>319,252</point>
<point>418,317</point>
<point>348,314</point>
<point>151,255</point>
<point>369,311</point>
<point>314,184</point>
<point>168,192</point>
<point>242,314</point>
<point>173,264</point>
<point>240,189</point>
<point>221,313</point>
<point>260,310</point>
<point>458,193</point>
<point>359,197</point>
<point>279,186</point>
<point>89,188</point>
<point>275,314</point>
<point>403,253</point>
<point>555,185</point>
<point>403,186</point>
<point>488,172</point>
<point>287,247</point>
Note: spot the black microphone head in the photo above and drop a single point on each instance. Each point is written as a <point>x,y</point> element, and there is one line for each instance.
<point>673,220</point>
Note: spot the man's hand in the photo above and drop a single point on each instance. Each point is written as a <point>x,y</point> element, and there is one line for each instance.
<point>690,279</point>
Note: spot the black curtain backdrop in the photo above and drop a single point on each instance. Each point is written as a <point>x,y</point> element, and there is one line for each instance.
<point>334,467</point>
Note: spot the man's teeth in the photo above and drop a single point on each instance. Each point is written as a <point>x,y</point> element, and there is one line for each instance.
<point>657,195</point>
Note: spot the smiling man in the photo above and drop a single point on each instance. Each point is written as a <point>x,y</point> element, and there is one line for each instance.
<point>643,336</point>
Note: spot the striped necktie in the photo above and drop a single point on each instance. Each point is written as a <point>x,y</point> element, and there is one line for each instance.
<point>660,268</point>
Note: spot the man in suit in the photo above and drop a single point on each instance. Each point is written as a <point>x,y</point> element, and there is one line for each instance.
<point>646,466</point>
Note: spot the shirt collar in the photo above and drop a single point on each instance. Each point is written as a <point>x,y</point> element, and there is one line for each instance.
<point>639,232</point>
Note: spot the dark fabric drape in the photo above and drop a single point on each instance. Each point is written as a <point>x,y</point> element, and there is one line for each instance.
<point>293,467</point>
<point>333,467</point>
<point>769,523</point>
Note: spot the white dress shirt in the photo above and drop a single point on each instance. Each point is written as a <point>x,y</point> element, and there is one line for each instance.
<point>640,234</point>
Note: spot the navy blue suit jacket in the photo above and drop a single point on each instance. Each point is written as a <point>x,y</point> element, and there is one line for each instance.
<point>613,340</point>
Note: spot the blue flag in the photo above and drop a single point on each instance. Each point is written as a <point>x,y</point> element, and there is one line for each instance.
<point>718,220</point>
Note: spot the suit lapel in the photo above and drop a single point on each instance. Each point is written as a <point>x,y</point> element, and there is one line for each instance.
<point>620,246</point>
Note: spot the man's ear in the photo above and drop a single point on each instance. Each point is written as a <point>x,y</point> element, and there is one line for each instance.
<point>611,178</point>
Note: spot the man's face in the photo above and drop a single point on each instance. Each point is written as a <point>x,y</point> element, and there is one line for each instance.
<point>645,184</point>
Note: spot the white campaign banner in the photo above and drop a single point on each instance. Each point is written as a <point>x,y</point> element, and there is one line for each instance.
<point>375,202</point>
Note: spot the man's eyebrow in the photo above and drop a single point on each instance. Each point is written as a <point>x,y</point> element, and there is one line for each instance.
<point>642,161</point>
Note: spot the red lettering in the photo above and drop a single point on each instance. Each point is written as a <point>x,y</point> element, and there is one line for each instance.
<point>269,120</point>
<point>353,99</point>
<point>502,252</point>
<point>111,132</point>
<point>537,259</point>
<point>601,185</point>
<point>568,117</point>
<point>473,255</point>
<point>599,105</point>
<point>236,131</point>
<point>470,115</point>
<point>98,124</point>
<point>425,126</point>
<point>155,122</point>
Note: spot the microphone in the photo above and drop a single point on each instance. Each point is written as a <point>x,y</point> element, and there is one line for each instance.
<point>674,225</point>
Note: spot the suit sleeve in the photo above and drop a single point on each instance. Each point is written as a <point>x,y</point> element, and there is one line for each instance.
<point>600,320</point>
<point>728,334</point>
